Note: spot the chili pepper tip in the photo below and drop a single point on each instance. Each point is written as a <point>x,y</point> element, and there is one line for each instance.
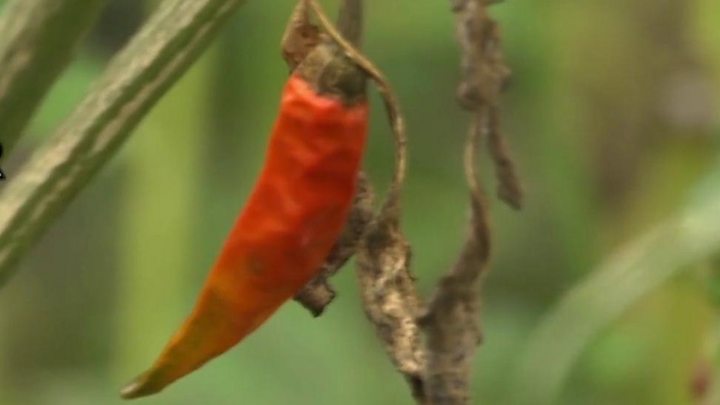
<point>139,387</point>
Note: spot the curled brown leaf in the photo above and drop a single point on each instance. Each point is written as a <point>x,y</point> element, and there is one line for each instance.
<point>509,188</point>
<point>318,294</point>
<point>390,299</point>
<point>300,36</point>
<point>484,76</point>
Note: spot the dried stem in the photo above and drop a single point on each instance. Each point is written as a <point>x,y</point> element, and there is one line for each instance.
<point>350,21</point>
<point>390,300</point>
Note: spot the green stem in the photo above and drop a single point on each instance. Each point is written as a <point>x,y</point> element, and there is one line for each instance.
<point>37,41</point>
<point>155,58</point>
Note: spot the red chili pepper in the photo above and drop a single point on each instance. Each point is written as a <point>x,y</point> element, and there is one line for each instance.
<point>294,215</point>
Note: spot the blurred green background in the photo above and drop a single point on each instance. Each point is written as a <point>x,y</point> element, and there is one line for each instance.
<point>613,118</point>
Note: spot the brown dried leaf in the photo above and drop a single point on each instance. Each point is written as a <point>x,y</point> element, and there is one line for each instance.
<point>485,75</point>
<point>509,188</point>
<point>482,63</point>
<point>390,300</point>
<point>318,293</point>
<point>300,36</point>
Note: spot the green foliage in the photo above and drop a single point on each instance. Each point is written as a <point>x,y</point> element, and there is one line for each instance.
<point>37,41</point>
<point>132,83</point>
<point>613,288</point>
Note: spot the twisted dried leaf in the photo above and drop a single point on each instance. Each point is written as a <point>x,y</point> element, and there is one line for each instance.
<point>485,75</point>
<point>509,188</point>
<point>300,36</point>
<point>484,72</point>
<point>318,294</point>
<point>389,297</point>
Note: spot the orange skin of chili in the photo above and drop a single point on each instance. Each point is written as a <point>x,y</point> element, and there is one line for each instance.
<point>293,217</point>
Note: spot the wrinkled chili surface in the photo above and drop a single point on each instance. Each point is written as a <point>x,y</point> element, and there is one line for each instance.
<point>294,215</point>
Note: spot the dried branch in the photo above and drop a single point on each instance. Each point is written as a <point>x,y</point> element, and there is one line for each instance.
<point>154,59</point>
<point>37,41</point>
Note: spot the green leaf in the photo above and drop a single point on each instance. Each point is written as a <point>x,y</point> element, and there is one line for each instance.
<point>632,272</point>
<point>153,60</point>
<point>37,41</point>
